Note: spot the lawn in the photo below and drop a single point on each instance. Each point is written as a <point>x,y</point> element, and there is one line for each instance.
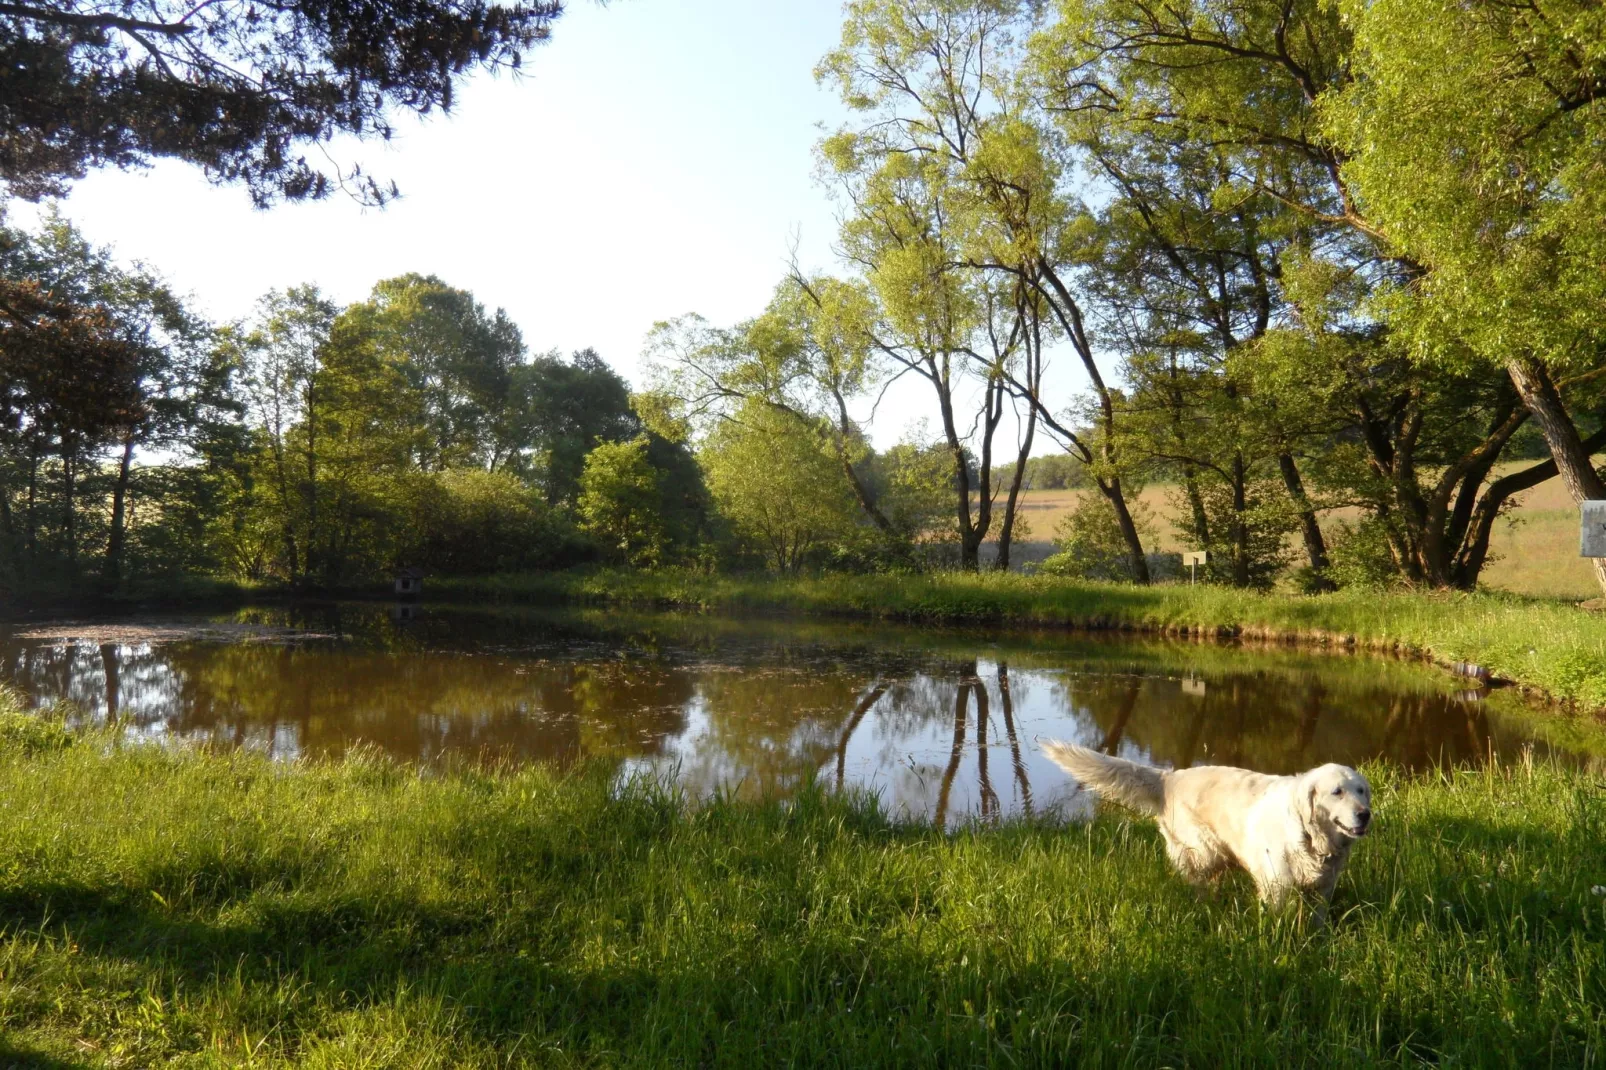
<point>182,908</point>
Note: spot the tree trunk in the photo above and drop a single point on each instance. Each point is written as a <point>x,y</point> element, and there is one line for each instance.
<point>1578,474</point>
<point>312,552</point>
<point>113,574</point>
<point>1006,534</point>
<point>1129,529</point>
<point>1474,549</point>
<point>1315,545</point>
<point>8,528</point>
<point>33,500</point>
<point>1240,526</point>
<point>1008,701</point>
<point>108,665</point>
<point>1201,521</point>
<point>961,701</point>
<point>861,493</point>
<point>71,511</point>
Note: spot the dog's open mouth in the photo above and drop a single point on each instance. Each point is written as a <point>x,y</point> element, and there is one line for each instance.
<point>1357,831</point>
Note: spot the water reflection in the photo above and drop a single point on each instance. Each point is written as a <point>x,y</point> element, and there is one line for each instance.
<point>942,726</point>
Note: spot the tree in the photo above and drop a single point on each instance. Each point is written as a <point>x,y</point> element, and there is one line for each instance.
<point>810,353</point>
<point>239,89</point>
<point>283,356</point>
<point>100,357</point>
<point>1258,84</point>
<point>457,361</point>
<point>952,170</point>
<point>1472,135</point>
<point>773,477</point>
<point>622,503</point>
<point>558,411</point>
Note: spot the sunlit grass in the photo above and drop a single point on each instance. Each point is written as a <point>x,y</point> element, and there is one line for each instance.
<point>1552,646</point>
<point>176,907</point>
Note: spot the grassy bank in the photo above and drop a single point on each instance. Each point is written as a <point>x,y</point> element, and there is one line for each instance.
<point>1553,647</point>
<point>183,908</point>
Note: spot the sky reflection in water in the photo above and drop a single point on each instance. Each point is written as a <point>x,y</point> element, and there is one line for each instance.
<point>942,725</point>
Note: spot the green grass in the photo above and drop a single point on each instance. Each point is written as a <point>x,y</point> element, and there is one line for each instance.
<point>1552,647</point>
<point>171,907</point>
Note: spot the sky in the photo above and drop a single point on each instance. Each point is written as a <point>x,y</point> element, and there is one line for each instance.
<point>655,158</point>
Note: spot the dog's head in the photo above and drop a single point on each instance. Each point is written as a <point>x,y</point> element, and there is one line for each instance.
<point>1339,800</point>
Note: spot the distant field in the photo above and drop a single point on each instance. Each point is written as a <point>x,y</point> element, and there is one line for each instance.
<point>1534,551</point>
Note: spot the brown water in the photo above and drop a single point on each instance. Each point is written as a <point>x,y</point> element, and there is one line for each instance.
<point>942,724</point>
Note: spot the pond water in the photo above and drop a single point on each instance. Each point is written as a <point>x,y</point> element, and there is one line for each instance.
<point>943,725</point>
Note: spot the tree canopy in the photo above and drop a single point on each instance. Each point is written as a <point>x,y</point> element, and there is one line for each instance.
<point>244,89</point>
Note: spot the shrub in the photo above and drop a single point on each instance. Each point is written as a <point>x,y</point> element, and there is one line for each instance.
<point>467,520</point>
<point>1090,544</point>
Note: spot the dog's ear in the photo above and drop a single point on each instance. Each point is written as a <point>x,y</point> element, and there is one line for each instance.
<point>1305,801</point>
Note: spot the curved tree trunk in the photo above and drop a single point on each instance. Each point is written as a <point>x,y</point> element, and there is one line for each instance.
<point>1474,549</point>
<point>1315,545</point>
<point>1006,533</point>
<point>1583,483</point>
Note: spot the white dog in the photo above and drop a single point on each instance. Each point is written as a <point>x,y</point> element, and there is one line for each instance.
<point>1290,833</point>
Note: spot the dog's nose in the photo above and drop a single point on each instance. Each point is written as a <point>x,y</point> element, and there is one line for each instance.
<point>1363,816</point>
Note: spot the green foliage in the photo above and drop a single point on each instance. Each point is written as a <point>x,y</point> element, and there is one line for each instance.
<point>1363,557</point>
<point>115,403</point>
<point>774,478</point>
<point>464,521</point>
<point>622,503</point>
<point>557,411</point>
<point>1089,543</point>
<point>915,484</point>
<point>453,362</point>
<point>1474,143</point>
<point>246,94</point>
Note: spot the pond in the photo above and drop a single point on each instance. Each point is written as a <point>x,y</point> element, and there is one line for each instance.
<point>942,724</point>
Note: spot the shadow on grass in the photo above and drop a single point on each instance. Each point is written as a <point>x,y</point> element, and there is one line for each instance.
<point>15,1057</point>
<point>1206,990</point>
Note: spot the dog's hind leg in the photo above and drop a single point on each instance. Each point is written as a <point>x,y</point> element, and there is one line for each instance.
<point>1197,865</point>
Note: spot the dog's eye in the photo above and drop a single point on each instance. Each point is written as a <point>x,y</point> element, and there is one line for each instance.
<point>1338,791</point>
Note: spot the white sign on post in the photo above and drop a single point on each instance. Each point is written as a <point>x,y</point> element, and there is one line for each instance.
<point>1202,557</point>
<point>1592,534</point>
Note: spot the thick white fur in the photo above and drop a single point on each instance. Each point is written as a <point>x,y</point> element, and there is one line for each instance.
<point>1290,833</point>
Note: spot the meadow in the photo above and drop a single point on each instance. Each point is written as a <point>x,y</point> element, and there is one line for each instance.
<point>168,907</point>
<point>1534,551</point>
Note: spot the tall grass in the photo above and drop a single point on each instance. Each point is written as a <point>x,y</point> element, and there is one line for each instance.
<point>166,907</point>
<point>1553,647</point>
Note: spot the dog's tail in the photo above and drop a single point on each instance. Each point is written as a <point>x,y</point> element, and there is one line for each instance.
<point>1142,787</point>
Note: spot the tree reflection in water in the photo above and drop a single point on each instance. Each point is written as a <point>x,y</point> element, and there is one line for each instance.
<point>755,707</point>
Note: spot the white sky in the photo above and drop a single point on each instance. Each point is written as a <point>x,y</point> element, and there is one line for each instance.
<point>654,159</point>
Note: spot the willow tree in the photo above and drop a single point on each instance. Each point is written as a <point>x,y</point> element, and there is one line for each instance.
<point>1473,136</point>
<point>959,207</point>
<point>808,355</point>
<point>1254,82</point>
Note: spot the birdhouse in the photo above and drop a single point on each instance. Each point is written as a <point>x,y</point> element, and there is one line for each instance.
<point>409,583</point>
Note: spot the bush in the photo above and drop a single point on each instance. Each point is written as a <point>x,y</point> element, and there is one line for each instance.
<point>1361,556</point>
<point>467,521</point>
<point>1090,544</point>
